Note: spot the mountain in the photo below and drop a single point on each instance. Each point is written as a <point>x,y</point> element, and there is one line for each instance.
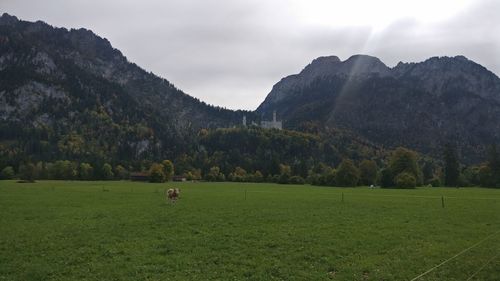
<point>70,94</point>
<point>417,105</point>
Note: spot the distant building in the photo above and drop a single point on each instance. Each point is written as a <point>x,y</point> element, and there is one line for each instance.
<point>179,178</point>
<point>265,124</point>
<point>139,177</point>
<point>272,124</point>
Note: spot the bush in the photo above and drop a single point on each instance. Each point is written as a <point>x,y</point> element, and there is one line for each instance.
<point>7,173</point>
<point>239,175</point>
<point>405,180</point>
<point>297,180</point>
<point>86,171</point>
<point>63,170</point>
<point>284,179</point>
<point>285,174</point>
<point>107,172</point>
<point>215,174</point>
<point>121,173</point>
<point>27,172</point>
<point>485,176</point>
<point>156,173</point>
<point>435,182</point>
<point>258,177</point>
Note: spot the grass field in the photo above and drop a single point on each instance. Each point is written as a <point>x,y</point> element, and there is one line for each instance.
<point>55,230</point>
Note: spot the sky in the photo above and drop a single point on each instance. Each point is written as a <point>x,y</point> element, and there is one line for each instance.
<point>231,52</point>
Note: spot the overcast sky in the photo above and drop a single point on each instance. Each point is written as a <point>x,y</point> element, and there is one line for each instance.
<point>231,52</point>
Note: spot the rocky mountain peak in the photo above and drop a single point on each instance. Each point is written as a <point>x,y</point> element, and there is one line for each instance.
<point>353,66</point>
<point>439,75</point>
<point>364,64</point>
<point>7,19</point>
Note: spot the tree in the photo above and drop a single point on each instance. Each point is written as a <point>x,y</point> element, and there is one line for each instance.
<point>86,171</point>
<point>368,172</point>
<point>451,166</point>
<point>297,180</point>
<point>258,177</point>
<point>471,175</point>
<point>405,180</point>
<point>168,169</point>
<point>404,160</point>
<point>156,173</point>
<point>427,171</point>
<point>214,174</point>
<point>386,178</point>
<point>107,172</point>
<point>27,172</point>
<point>121,173</point>
<point>347,174</point>
<point>7,173</point>
<point>484,175</point>
<point>239,175</point>
<point>494,165</point>
<point>63,170</point>
<point>285,174</point>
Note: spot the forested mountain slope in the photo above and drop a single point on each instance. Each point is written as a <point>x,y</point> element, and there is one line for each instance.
<point>417,105</point>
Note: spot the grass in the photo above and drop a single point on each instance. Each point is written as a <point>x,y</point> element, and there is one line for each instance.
<point>56,230</point>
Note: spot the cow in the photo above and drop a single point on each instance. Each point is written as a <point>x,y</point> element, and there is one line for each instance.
<point>173,194</point>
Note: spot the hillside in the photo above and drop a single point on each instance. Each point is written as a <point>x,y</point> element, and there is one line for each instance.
<point>70,94</point>
<point>418,105</point>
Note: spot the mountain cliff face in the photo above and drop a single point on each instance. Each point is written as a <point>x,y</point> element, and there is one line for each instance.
<point>417,105</point>
<point>68,91</point>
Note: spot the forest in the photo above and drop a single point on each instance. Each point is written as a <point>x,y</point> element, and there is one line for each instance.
<point>330,158</point>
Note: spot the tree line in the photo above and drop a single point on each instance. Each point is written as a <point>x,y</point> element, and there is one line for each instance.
<point>286,157</point>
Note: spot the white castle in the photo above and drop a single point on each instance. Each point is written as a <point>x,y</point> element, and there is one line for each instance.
<point>267,124</point>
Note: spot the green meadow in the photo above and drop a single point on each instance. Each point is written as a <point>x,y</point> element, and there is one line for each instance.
<point>61,230</point>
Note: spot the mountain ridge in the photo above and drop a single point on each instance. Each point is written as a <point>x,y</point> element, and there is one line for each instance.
<point>65,83</point>
<point>439,100</point>
<point>72,86</point>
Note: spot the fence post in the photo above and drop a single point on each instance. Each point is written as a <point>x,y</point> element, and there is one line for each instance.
<point>442,201</point>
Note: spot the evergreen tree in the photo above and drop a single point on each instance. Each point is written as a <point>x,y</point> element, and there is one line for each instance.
<point>386,178</point>
<point>451,166</point>
<point>494,165</point>
<point>368,172</point>
<point>427,171</point>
